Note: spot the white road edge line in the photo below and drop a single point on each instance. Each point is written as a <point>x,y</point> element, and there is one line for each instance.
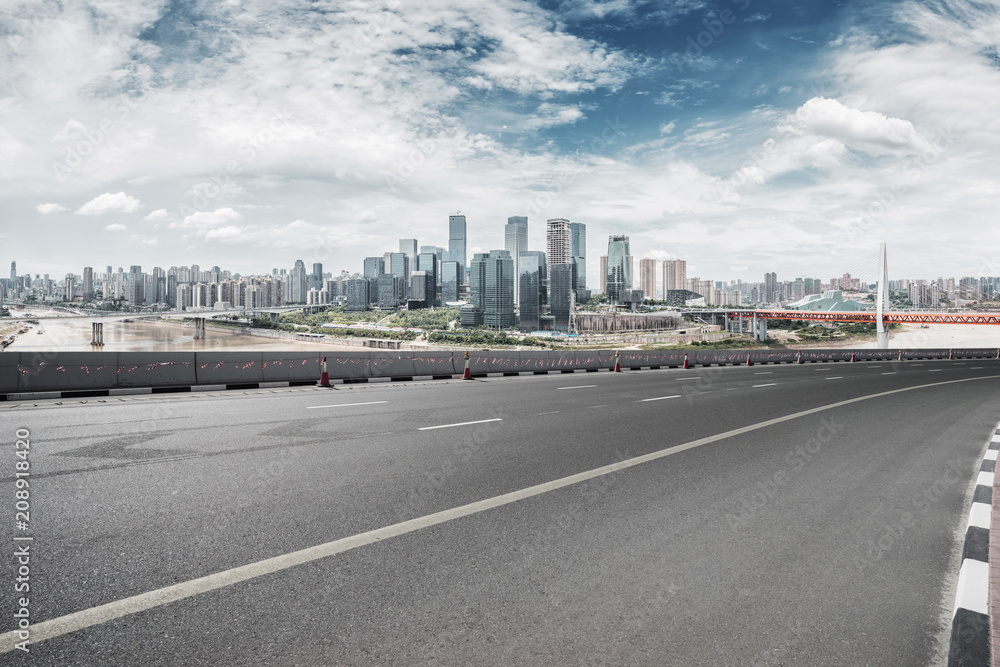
<point>581,386</point>
<point>343,405</point>
<point>481,421</point>
<point>659,398</point>
<point>86,618</point>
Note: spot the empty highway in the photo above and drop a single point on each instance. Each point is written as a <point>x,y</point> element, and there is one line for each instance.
<point>768,515</point>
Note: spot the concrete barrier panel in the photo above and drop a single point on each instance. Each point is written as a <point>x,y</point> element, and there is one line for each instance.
<point>348,365</point>
<point>9,374</point>
<point>291,367</point>
<point>587,359</point>
<point>229,367</point>
<point>156,369</point>
<point>504,361</point>
<point>534,360</point>
<point>390,364</point>
<point>436,362</point>
<point>48,371</point>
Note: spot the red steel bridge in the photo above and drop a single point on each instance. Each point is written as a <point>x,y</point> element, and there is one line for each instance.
<point>888,317</point>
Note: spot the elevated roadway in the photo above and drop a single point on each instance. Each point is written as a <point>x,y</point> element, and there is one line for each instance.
<point>782,515</point>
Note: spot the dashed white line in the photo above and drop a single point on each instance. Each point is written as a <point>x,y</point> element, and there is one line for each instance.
<point>579,386</point>
<point>873,367</point>
<point>835,377</point>
<point>343,405</point>
<point>481,421</point>
<point>764,373</point>
<point>659,398</point>
<point>548,413</point>
<point>888,373</point>
<point>597,406</point>
<point>933,370</point>
<point>770,384</point>
<point>682,379</point>
<point>976,368</point>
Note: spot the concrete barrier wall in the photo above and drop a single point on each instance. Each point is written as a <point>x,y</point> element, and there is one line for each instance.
<point>22,372</point>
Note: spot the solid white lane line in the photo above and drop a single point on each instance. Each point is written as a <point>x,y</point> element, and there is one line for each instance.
<point>481,421</point>
<point>835,377</point>
<point>582,386</point>
<point>86,618</point>
<point>659,398</point>
<point>770,384</point>
<point>343,405</point>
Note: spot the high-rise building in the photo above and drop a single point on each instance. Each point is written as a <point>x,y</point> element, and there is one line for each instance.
<point>604,274</point>
<point>358,294</point>
<point>399,266</point>
<point>374,267</point>
<point>136,286</point>
<point>496,288</point>
<point>515,241</point>
<point>185,297</point>
<point>108,287</point>
<point>451,280</point>
<point>316,280</point>
<point>558,240</point>
<point>88,283</point>
<point>578,251</point>
<point>70,287</point>
<point>647,277</point>
<point>771,288</point>
<point>561,295</point>
<point>13,274</point>
<point>674,275</point>
<point>427,262</point>
<point>409,248</point>
<point>619,271</point>
<point>456,241</point>
<point>299,283</point>
<point>531,290</point>
<point>387,291</point>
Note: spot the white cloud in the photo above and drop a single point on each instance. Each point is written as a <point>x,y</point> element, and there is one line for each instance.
<point>667,128</point>
<point>50,208</point>
<point>110,202</point>
<point>870,131</point>
<point>203,220</point>
<point>224,233</point>
<point>159,215</point>
<point>115,228</point>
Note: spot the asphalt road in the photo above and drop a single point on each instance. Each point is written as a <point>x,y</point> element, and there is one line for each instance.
<point>826,538</point>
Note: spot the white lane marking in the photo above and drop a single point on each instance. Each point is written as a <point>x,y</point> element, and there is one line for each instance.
<point>770,384</point>
<point>481,421</point>
<point>343,405</point>
<point>933,370</point>
<point>548,413</point>
<point>835,377</point>
<point>764,373</point>
<point>659,398</point>
<point>821,370</point>
<point>682,379</point>
<point>915,365</point>
<point>976,368</point>
<point>888,373</point>
<point>873,367</point>
<point>597,406</point>
<point>581,386</point>
<point>86,618</point>
<point>973,582</point>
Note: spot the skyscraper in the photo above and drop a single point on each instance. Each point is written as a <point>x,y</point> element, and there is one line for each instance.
<point>374,267</point>
<point>515,241</point>
<point>451,279</point>
<point>316,280</point>
<point>13,274</point>
<point>558,241</point>
<point>531,289</point>
<point>771,288</point>
<point>674,275</point>
<point>456,241</point>
<point>88,283</point>
<point>427,262</point>
<point>409,247</point>
<point>619,270</point>
<point>578,251</point>
<point>495,286</point>
<point>561,295</point>
<point>604,274</point>
<point>647,277</point>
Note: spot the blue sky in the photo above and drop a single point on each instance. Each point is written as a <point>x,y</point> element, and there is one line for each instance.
<point>743,136</point>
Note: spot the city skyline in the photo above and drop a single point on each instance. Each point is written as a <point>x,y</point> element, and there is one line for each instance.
<point>753,135</point>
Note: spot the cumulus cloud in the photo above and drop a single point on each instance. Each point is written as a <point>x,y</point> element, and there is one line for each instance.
<point>870,131</point>
<point>108,202</point>
<point>50,208</point>
<point>115,228</point>
<point>203,220</point>
<point>223,233</point>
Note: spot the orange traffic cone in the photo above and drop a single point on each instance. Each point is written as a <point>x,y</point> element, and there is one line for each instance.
<point>749,361</point>
<point>468,371</point>
<point>686,365</point>
<point>798,359</point>
<point>324,377</point>
<point>900,357</point>
<point>852,358</point>
<point>949,354</point>
<point>618,363</point>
